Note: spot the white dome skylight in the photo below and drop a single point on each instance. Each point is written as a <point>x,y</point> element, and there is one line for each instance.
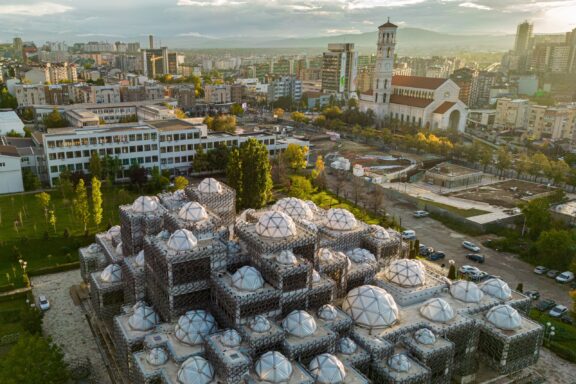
<point>193,326</point>
<point>111,274</point>
<point>497,288</point>
<point>140,259</point>
<point>399,363</point>
<point>347,346</point>
<point>340,219</point>
<point>299,323</point>
<point>286,257</point>
<point>425,336</point>
<point>247,278</point>
<point>231,338</point>
<point>260,324</point>
<point>295,208</point>
<point>275,224</point>
<point>273,367</point>
<point>182,240</point>
<point>437,310</point>
<point>193,211</point>
<point>327,369</point>
<point>379,232</point>
<point>406,273</point>
<point>313,207</point>
<point>466,291</point>
<point>371,307</point>
<point>157,356</point>
<point>504,317</point>
<point>119,250</point>
<point>196,370</point>
<point>315,276</point>
<point>143,318</point>
<point>113,232</point>
<point>361,255</point>
<point>145,204</point>
<point>210,185</point>
<point>325,255</point>
<point>327,312</point>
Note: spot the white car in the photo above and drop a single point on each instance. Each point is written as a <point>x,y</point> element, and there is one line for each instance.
<point>558,311</point>
<point>420,214</point>
<point>43,303</point>
<point>469,270</point>
<point>470,246</point>
<point>540,270</point>
<point>409,235</point>
<point>565,277</point>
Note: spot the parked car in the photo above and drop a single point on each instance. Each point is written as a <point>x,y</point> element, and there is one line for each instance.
<point>565,277</point>
<point>419,214</point>
<point>545,305</point>
<point>425,251</point>
<point>436,255</point>
<point>567,319</point>
<point>540,270</point>
<point>552,273</point>
<point>558,311</point>
<point>470,246</point>
<point>43,303</point>
<point>478,276</point>
<point>476,257</point>
<point>409,235</point>
<point>467,269</point>
<point>534,295</point>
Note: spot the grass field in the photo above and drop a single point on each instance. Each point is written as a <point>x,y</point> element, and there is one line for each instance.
<point>564,341</point>
<point>10,309</point>
<point>25,232</point>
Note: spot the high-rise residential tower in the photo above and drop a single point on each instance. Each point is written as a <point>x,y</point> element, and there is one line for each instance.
<point>523,38</point>
<point>339,69</point>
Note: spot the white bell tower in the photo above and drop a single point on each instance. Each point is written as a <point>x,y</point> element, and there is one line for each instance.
<point>383,70</point>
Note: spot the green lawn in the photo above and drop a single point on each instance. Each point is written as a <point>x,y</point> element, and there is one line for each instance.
<point>10,309</point>
<point>28,239</point>
<point>564,341</point>
<point>460,212</point>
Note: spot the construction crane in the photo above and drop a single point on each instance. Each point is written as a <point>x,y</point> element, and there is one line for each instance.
<point>153,60</point>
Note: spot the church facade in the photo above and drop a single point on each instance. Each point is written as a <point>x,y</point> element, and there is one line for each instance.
<point>420,101</point>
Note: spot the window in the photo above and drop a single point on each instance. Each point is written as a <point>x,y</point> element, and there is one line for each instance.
<point>54,169</point>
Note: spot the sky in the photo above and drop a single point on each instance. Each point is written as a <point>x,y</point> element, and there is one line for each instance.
<point>133,20</point>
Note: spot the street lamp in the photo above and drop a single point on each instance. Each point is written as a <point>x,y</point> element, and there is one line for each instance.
<point>549,332</point>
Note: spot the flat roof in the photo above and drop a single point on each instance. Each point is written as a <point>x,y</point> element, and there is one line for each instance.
<point>108,105</point>
<point>450,169</point>
<point>172,125</point>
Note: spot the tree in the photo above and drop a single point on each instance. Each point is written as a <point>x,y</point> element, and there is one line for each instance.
<point>30,181</point>
<point>180,182</point>
<point>218,157</point>
<point>95,165</point>
<point>299,117</point>
<point>44,200</point>
<point>7,100</point>
<point>486,156</point>
<point>296,156</point>
<point>33,360</point>
<point>320,121</point>
<point>31,320</point>
<point>559,171</point>
<point>55,120</point>
<point>52,219</point>
<point>473,152</point>
<point>234,174</point>
<point>221,123</point>
<point>97,201</point>
<point>137,175</point>
<point>318,172</point>
<point>236,109</point>
<point>256,177</point>
<point>81,204</point>
<point>504,160</point>
<point>520,288</point>
<point>65,184</point>
<point>556,248</point>
<point>158,181</point>
<point>452,271</point>
<point>539,165</point>
<point>522,165</point>
<point>179,113</point>
<point>300,187</point>
<point>200,162</point>
<point>352,103</point>
<point>537,216</point>
<point>278,112</point>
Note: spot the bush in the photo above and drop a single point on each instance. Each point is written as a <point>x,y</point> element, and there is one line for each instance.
<point>7,287</point>
<point>564,352</point>
<point>54,269</point>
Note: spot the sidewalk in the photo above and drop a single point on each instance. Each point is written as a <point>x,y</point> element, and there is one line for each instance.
<point>15,291</point>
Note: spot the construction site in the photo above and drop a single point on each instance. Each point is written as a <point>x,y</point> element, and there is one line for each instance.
<point>186,291</point>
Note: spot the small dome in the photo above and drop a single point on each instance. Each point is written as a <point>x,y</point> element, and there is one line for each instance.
<point>313,207</point>
<point>361,255</point>
<point>143,317</point>
<point>196,370</point>
<point>94,248</point>
<point>111,274</point>
<point>182,240</point>
<point>157,356</point>
<point>295,208</point>
<point>504,317</point>
<point>327,312</point>
<point>497,288</point>
<point>399,363</point>
<point>193,326</point>
<point>371,306</point>
<point>119,251</point>
<point>299,323</point>
<point>425,336</point>
<point>437,310</point>
<point>231,338</point>
<point>340,219</point>
<point>140,259</point>
<point>193,211</point>
<point>275,224</point>
<point>379,232</point>
<point>406,273</point>
<point>466,291</point>
<point>347,346</point>
<point>260,324</point>
<point>113,232</point>
<point>325,255</point>
<point>163,234</point>
<point>286,257</point>
<point>273,367</point>
<point>145,204</point>
<point>210,185</point>
<point>315,276</point>
<point>247,279</point>
<point>327,369</point>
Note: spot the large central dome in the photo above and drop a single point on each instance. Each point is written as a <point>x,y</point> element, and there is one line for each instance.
<point>193,326</point>
<point>295,208</point>
<point>371,307</point>
<point>275,224</point>
<point>406,273</point>
<point>182,240</point>
<point>193,211</point>
<point>145,204</point>
<point>340,219</point>
<point>210,185</point>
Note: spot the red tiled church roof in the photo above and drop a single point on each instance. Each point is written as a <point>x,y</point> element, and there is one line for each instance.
<point>417,82</point>
<point>410,101</point>
<point>444,107</point>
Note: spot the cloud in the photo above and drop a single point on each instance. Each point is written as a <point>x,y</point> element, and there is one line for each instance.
<point>369,4</point>
<point>98,35</point>
<point>367,22</point>
<point>195,34</point>
<point>475,6</point>
<point>34,9</point>
<point>212,3</point>
<point>342,31</point>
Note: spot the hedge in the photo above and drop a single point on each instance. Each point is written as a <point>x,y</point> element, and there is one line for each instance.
<point>564,352</point>
<point>7,287</point>
<point>54,269</point>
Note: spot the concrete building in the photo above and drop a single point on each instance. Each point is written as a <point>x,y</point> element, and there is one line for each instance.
<point>285,86</point>
<point>523,41</point>
<point>217,94</point>
<point>28,95</point>
<point>480,96</point>
<point>511,114</point>
<point>10,122</point>
<point>155,62</point>
<point>10,170</point>
<point>465,78</point>
<point>52,73</point>
<point>339,69</point>
<point>556,123</point>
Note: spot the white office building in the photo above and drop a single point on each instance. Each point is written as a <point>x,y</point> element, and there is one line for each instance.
<point>10,170</point>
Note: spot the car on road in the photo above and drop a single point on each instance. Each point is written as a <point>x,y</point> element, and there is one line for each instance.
<point>470,246</point>
<point>476,257</point>
<point>565,277</point>
<point>425,251</point>
<point>545,305</point>
<point>409,235</point>
<point>558,311</point>
<point>533,294</point>
<point>552,273</point>
<point>540,270</point>
<point>436,255</point>
<point>43,303</point>
<point>419,214</point>
<point>467,269</point>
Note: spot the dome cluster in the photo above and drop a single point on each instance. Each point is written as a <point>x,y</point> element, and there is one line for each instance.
<point>340,219</point>
<point>327,312</point>
<point>371,307</point>
<point>182,240</point>
<point>247,279</point>
<point>295,208</point>
<point>299,323</point>
<point>275,224</point>
<point>260,324</point>
<point>231,338</point>
<point>406,273</point>
<point>193,326</point>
